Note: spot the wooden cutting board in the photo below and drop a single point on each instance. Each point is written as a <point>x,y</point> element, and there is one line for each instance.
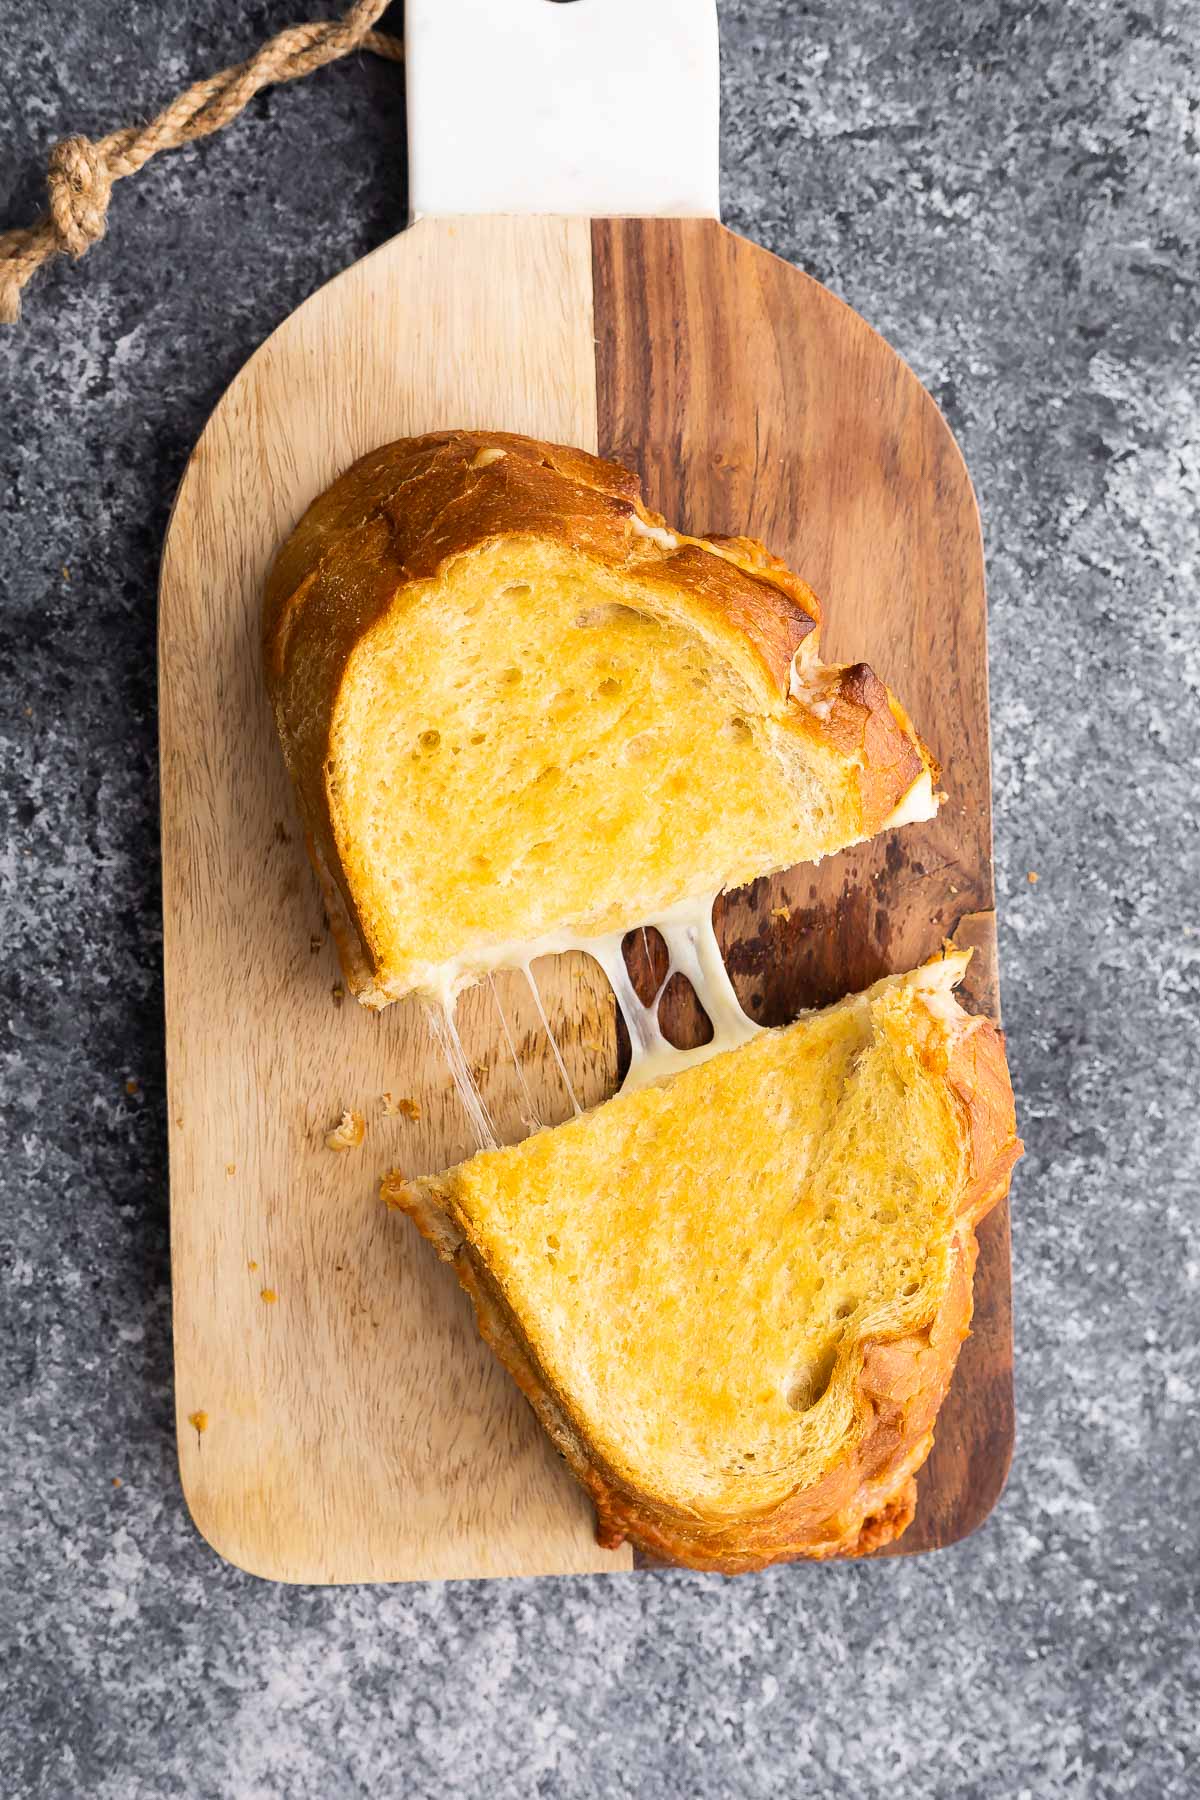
<point>338,1418</point>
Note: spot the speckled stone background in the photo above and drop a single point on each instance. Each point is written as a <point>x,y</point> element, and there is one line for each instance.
<point>1011,194</point>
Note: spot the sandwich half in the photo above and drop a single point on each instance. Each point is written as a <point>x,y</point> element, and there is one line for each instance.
<point>735,1299</point>
<point>519,710</point>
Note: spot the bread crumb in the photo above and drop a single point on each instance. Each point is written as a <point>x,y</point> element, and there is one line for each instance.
<point>116,1481</point>
<point>387,1190</point>
<point>339,993</point>
<point>133,1086</point>
<point>66,573</point>
<point>1033,878</point>
<point>268,1296</point>
<point>231,1168</point>
<point>252,1264</point>
<point>781,912</point>
<point>408,1109</point>
<point>348,1133</point>
<point>198,1420</point>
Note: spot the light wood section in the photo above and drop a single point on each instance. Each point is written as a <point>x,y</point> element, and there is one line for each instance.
<point>753,400</point>
<point>355,1428</point>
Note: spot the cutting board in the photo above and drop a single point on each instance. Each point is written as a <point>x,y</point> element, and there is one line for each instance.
<point>338,1418</point>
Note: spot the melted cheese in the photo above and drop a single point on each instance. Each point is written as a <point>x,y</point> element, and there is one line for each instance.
<point>531,1117</point>
<point>814,685</point>
<point>562,1067</point>
<point>445,1034</point>
<point>919,803</point>
<point>935,984</point>
<point>693,951</point>
<point>658,534</point>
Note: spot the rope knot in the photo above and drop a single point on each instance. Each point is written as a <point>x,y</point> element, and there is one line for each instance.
<point>80,186</point>
<point>81,174</point>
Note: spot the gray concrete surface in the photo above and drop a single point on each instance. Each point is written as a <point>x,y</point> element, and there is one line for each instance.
<point>1011,194</point>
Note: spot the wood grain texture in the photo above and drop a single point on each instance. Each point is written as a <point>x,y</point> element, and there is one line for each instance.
<point>355,1428</point>
<point>752,400</point>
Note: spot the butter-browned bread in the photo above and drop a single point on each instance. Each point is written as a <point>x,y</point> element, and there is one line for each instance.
<point>735,1299</point>
<point>514,702</point>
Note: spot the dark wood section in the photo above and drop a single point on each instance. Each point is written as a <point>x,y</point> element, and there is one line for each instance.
<point>752,400</point>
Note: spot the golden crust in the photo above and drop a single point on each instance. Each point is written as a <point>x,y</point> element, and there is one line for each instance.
<point>867,1499</point>
<point>400,514</point>
<point>439,499</point>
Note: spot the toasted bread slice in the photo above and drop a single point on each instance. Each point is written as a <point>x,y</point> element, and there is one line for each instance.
<point>735,1299</point>
<point>514,703</point>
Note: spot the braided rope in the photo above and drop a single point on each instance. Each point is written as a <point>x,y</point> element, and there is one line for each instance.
<point>81,172</point>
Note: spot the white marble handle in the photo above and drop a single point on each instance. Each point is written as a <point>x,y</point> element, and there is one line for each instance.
<point>535,106</point>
